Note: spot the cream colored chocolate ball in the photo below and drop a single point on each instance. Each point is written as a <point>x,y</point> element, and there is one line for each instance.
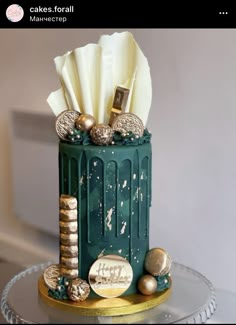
<point>147,285</point>
<point>85,122</point>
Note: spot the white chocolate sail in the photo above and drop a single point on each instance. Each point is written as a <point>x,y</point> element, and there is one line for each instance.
<point>94,69</point>
<point>128,63</point>
<point>89,76</point>
<point>68,76</point>
<point>85,76</point>
<point>57,101</point>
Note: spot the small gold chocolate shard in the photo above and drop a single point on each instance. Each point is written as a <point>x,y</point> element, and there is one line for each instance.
<point>67,202</point>
<point>119,102</point>
<point>69,273</point>
<point>68,215</point>
<point>69,251</point>
<point>68,227</point>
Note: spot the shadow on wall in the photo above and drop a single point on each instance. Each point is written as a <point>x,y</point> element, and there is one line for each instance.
<point>35,169</point>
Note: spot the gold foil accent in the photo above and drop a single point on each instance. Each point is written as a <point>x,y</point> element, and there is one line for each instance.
<point>68,227</point>
<point>67,202</point>
<point>157,262</point>
<point>119,103</point>
<point>126,305</point>
<point>69,262</point>
<point>50,276</point>
<point>69,273</point>
<point>68,239</point>
<point>110,276</point>
<point>68,215</point>
<point>69,251</point>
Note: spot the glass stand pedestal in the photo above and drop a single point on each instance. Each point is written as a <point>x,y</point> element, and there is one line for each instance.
<point>192,301</point>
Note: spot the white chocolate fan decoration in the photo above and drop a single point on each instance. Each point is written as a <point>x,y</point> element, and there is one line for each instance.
<point>89,76</point>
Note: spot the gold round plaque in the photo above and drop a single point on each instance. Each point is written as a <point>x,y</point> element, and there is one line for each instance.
<point>157,262</point>
<point>110,276</point>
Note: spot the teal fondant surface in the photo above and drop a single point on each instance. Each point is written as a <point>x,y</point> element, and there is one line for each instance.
<point>113,188</point>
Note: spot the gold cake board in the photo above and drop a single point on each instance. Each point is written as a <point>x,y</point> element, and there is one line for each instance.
<point>106,307</point>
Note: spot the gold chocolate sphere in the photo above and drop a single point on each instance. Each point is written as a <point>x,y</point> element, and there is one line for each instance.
<point>78,290</point>
<point>147,285</point>
<point>101,134</point>
<point>85,122</point>
<point>157,262</point>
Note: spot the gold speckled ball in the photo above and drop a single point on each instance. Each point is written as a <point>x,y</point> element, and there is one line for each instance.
<point>78,290</point>
<point>147,285</point>
<point>101,134</point>
<point>85,122</point>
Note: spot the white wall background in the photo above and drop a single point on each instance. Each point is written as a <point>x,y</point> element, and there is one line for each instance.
<point>193,122</point>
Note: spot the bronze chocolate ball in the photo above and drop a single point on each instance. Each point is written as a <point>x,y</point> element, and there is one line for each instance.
<point>147,285</point>
<point>85,122</point>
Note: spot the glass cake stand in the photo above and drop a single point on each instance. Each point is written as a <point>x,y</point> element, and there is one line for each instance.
<point>192,300</point>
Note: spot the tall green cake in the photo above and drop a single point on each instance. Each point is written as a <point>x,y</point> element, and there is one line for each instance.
<point>105,267</point>
<point>113,187</point>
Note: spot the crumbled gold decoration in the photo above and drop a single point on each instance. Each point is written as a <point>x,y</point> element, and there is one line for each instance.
<point>101,134</point>
<point>157,262</point>
<point>78,290</point>
<point>147,285</point>
<point>65,122</point>
<point>85,122</point>
<point>128,122</point>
